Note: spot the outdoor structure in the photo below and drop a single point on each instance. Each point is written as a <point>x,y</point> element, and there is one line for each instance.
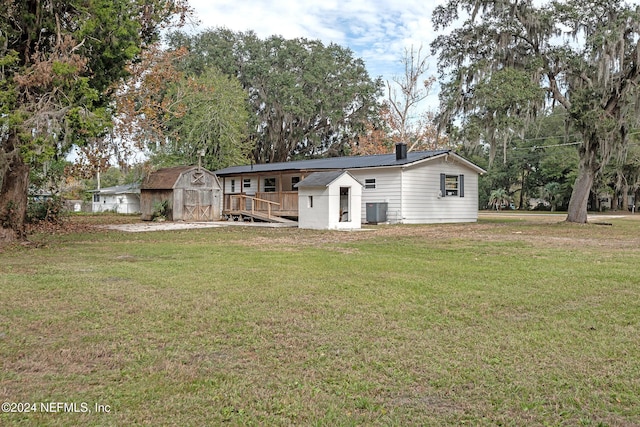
<point>122,199</point>
<point>191,193</point>
<point>414,188</point>
<point>326,200</point>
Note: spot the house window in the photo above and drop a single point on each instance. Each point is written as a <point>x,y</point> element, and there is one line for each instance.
<point>269,185</point>
<point>246,183</point>
<point>309,201</point>
<point>294,181</point>
<point>370,183</point>
<point>96,197</point>
<point>451,185</point>
<point>233,185</point>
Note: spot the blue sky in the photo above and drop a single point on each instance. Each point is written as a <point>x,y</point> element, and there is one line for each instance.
<point>377,31</point>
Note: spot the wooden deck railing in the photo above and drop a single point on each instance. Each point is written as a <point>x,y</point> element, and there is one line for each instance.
<point>279,203</point>
<point>238,202</point>
<point>288,200</point>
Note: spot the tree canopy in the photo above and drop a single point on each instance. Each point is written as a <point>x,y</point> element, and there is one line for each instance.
<point>305,98</point>
<point>58,62</point>
<point>179,118</point>
<point>511,59</point>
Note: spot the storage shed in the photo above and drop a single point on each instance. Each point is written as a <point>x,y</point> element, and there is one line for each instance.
<point>329,200</point>
<point>191,193</point>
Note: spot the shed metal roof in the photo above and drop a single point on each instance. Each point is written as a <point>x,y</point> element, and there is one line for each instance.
<point>165,179</point>
<point>350,162</point>
<point>321,179</point>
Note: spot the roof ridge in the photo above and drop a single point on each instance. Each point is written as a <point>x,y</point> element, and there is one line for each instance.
<point>340,162</point>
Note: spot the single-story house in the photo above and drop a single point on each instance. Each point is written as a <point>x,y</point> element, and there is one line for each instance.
<point>123,199</point>
<point>326,199</point>
<point>435,186</point>
<point>190,193</point>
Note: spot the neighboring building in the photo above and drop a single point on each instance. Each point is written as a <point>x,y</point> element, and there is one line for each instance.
<point>326,200</point>
<point>191,193</point>
<point>416,187</point>
<point>123,199</point>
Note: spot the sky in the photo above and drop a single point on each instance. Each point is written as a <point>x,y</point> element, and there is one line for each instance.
<point>377,31</point>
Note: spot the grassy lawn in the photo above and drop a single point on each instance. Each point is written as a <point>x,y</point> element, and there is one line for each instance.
<point>496,323</point>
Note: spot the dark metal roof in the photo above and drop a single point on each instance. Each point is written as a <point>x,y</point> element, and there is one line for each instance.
<point>350,162</point>
<point>320,179</point>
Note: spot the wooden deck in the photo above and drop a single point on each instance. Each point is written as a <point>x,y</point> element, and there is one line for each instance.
<point>269,207</point>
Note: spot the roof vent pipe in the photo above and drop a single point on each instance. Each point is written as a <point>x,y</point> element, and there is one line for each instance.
<point>401,151</point>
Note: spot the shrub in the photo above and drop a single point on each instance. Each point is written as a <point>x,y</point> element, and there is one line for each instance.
<point>160,210</point>
<point>51,210</point>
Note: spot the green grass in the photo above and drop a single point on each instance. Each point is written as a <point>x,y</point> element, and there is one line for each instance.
<point>495,323</point>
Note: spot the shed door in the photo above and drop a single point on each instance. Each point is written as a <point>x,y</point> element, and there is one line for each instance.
<point>198,205</point>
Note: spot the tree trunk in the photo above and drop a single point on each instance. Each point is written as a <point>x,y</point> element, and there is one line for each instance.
<point>582,187</point>
<point>14,185</point>
<point>625,197</point>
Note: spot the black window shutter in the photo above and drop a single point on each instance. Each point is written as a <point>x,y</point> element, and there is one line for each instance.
<point>443,191</point>
<point>461,186</point>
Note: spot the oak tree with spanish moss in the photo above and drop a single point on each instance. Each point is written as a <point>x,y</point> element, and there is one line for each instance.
<point>59,61</point>
<point>582,55</point>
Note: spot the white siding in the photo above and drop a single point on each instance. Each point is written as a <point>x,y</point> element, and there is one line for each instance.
<point>239,186</point>
<point>120,203</point>
<point>355,222</point>
<point>253,187</point>
<point>325,213</point>
<point>423,202</point>
<point>413,195</point>
<point>388,189</point>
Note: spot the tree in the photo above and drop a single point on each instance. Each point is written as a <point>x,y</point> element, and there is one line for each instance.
<point>632,170</point>
<point>622,176</point>
<point>552,193</point>
<point>583,54</point>
<point>499,198</point>
<point>305,98</point>
<point>214,123</point>
<point>58,62</point>
<point>404,96</point>
<point>175,116</point>
<point>376,137</point>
